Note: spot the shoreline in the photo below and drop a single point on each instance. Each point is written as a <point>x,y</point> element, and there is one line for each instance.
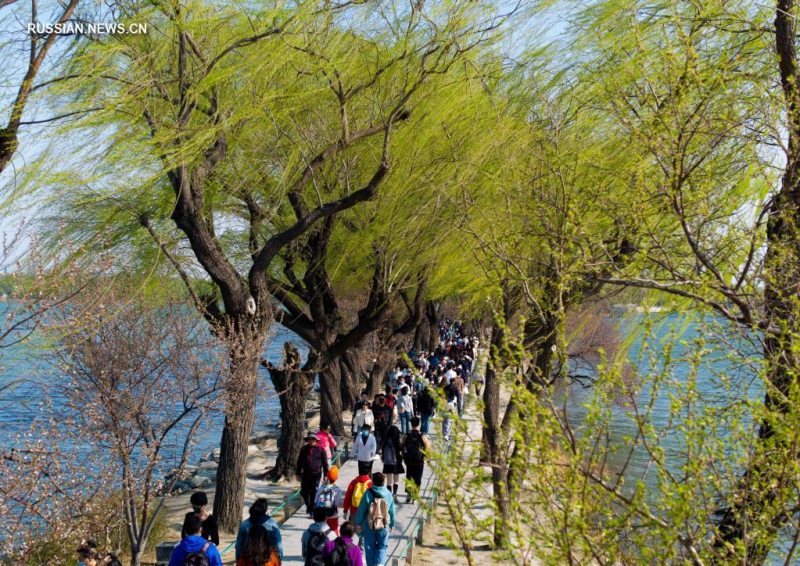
<point>262,451</point>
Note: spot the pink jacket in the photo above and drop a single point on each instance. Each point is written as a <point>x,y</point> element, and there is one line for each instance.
<point>326,442</point>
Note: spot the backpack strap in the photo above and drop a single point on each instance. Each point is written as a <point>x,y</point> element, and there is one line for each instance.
<point>205,547</point>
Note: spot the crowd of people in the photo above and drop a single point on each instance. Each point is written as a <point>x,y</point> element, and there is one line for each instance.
<point>392,428</point>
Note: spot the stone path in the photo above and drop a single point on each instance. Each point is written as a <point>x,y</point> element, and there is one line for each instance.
<point>407,516</point>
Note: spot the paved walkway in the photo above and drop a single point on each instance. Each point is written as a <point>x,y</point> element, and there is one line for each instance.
<point>407,515</point>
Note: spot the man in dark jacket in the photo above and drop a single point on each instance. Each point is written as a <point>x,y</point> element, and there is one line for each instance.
<point>312,463</point>
<point>426,406</point>
<point>383,417</point>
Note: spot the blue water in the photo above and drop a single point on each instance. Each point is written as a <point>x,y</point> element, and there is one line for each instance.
<point>727,385</point>
<point>721,378</point>
<point>34,377</point>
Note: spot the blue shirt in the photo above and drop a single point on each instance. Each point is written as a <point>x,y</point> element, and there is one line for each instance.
<point>195,543</point>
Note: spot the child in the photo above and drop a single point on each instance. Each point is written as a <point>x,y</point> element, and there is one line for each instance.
<point>355,491</point>
<point>330,497</point>
<point>315,537</point>
<point>325,440</point>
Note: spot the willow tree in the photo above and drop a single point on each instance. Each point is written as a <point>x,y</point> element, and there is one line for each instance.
<point>213,95</point>
<point>14,18</point>
<point>695,88</point>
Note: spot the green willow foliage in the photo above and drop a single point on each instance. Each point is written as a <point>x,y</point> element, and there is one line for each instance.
<point>648,164</point>
<point>640,151</point>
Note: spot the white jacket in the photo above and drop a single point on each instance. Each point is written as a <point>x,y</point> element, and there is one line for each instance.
<point>364,451</point>
<point>361,418</point>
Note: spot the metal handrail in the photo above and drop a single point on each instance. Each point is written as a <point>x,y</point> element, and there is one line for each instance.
<point>402,556</point>
<point>339,456</point>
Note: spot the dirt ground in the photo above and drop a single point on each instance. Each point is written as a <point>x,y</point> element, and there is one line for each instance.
<point>435,549</point>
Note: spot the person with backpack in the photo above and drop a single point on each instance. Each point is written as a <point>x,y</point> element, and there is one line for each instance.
<point>426,406</point>
<point>415,445</point>
<point>355,491</point>
<point>194,550</point>
<point>312,463</point>
<point>342,551</point>
<point>364,449</point>
<point>330,497</point>
<point>376,517</point>
<point>314,539</point>
<point>259,550</point>
<point>210,530</point>
<point>392,459</point>
<point>259,518</point>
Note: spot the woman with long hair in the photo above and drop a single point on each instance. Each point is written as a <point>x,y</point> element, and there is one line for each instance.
<point>259,550</point>
<point>392,459</point>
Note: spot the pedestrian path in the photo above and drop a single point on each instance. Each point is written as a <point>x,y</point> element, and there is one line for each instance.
<point>407,515</point>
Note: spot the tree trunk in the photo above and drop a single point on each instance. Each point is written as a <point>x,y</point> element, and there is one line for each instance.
<point>421,336</point>
<point>380,368</point>
<point>491,399</point>
<point>432,315</point>
<point>500,492</point>
<point>293,385</point>
<point>352,373</point>
<point>491,451</point>
<point>759,507</point>
<point>331,398</point>
<point>240,403</point>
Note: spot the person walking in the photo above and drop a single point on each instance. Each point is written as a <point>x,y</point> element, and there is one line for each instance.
<point>259,550</point>
<point>451,396</point>
<point>210,530</point>
<point>312,463</point>
<point>194,549</point>
<point>330,497</point>
<point>259,518</point>
<point>325,439</point>
<point>364,449</point>
<point>461,389</point>
<point>376,517</point>
<point>342,551</point>
<point>384,416</point>
<point>314,539</point>
<point>405,408</point>
<point>392,460</point>
<point>364,416</point>
<point>357,406</point>
<point>355,491</point>
<point>426,406</point>
<point>415,446</point>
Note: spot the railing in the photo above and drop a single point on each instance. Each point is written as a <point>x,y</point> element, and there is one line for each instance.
<point>338,458</point>
<point>415,529</point>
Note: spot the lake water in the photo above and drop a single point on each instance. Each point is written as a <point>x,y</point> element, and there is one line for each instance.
<point>719,380</point>
<point>34,376</point>
<point>724,384</point>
